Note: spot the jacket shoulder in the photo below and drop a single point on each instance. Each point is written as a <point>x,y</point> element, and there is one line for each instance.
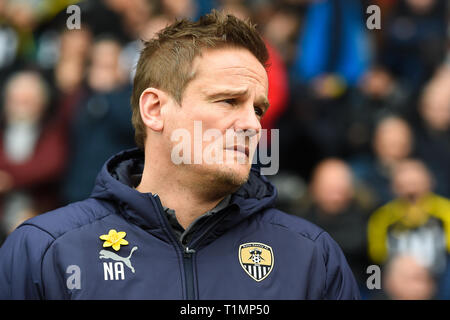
<point>70,217</point>
<point>21,256</point>
<point>293,223</point>
<point>339,282</point>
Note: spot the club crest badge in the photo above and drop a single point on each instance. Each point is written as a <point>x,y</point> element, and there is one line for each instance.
<point>256,259</point>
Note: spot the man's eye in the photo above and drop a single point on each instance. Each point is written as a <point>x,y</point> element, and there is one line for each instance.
<point>229,101</point>
<point>259,112</point>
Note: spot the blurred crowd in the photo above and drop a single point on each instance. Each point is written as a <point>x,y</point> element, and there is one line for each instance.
<point>363,117</point>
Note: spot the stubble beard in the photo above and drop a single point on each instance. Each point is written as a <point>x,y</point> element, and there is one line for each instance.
<point>220,180</point>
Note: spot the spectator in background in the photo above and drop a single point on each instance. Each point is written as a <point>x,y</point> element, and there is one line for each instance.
<point>392,142</point>
<point>75,44</point>
<point>130,53</point>
<point>415,40</point>
<point>69,71</point>
<point>405,278</point>
<point>432,134</point>
<point>333,41</point>
<point>32,150</point>
<point>24,18</point>
<point>105,73</point>
<point>134,14</point>
<point>101,125</point>
<point>335,206</point>
<point>9,43</point>
<point>106,16</point>
<point>416,223</point>
<point>377,95</point>
<point>30,20</point>
<point>332,54</point>
<point>177,9</point>
<point>282,29</point>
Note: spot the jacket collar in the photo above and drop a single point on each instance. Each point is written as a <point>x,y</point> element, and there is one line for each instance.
<point>120,174</point>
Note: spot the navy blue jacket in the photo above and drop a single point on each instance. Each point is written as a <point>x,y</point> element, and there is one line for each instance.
<point>248,250</point>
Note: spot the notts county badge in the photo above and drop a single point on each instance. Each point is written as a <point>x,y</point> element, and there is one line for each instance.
<point>256,259</point>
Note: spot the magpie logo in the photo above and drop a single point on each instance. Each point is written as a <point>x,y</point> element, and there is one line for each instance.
<point>256,259</point>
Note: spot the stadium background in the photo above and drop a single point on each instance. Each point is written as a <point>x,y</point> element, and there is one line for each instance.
<point>363,117</point>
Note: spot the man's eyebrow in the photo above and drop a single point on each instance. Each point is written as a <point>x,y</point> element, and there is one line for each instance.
<point>225,92</point>
<point>214,94</point>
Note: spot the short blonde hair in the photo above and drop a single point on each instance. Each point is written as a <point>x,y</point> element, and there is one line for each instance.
<point>166,61</point>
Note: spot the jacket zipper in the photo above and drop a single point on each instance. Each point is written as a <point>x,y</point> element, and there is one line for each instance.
<point>188,263</point>
<point>188,254</point>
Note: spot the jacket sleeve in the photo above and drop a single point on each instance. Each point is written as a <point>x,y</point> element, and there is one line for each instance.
<point>340,283</point>
<point>21,263</point>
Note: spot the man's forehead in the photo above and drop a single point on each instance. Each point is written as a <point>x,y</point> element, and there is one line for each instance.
<point>229,63</point>
<point>217,88</point>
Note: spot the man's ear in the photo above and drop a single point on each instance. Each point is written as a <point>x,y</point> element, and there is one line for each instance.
<point>151,102</point>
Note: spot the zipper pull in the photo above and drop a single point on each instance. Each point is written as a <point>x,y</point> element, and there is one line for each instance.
<point>188,252</point>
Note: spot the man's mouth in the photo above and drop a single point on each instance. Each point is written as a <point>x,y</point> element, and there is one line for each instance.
<point>240,148</point>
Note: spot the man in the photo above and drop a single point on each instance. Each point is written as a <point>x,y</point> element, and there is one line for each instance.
<point>335,205</point>
<point>416,223</point>
<point>405,278</point>
<point>33,150</point>
<point>156,227</point>
<point>392,143</point>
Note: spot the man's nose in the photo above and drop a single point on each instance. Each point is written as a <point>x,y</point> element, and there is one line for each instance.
<point>248,121</point>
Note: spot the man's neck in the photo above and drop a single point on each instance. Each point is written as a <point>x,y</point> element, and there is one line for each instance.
<point>187,202</point>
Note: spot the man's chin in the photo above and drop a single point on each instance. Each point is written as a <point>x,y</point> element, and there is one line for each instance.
<point>226,178</point>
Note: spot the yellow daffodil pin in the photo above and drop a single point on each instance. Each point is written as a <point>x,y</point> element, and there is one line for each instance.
<point>114,239</point>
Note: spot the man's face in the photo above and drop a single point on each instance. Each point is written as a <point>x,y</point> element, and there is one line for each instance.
<point>392,140</point>
<point>228,95</point>
<point>411,181</point>
<point>25,99</point>
<point>332,187</point>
